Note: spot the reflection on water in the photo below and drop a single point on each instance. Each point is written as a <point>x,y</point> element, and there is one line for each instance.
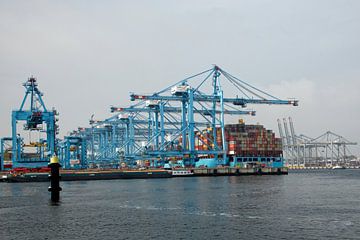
<point>307,205</point>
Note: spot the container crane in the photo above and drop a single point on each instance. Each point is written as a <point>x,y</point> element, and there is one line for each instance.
<point>185,122</point>
<point>192,99</point>
<point>326,150</point>
<point>38,119</point>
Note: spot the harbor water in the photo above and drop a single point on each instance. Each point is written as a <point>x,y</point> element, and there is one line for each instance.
<point>322,204</point>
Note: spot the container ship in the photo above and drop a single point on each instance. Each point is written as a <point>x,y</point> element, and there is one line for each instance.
<point>253,144</point>
<point>247,146</point>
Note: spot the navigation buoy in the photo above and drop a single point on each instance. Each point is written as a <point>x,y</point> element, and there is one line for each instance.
<point>54,179</point>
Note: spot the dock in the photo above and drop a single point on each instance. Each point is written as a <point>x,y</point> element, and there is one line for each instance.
<point>87,175</point>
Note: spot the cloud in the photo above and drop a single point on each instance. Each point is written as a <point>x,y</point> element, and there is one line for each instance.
<point>304,90</point>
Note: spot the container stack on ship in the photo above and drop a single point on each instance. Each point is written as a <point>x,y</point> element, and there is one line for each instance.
<point>246,145</point>
<point>253,144</point>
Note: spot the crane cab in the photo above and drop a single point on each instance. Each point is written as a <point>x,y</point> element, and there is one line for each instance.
<point>180,90</point>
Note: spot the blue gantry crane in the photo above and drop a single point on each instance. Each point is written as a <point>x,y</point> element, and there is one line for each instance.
<point>182,124</point>
<point>33,150</point>
<point>198,109</point>
<point>5,153</point>
<point>72,152</point>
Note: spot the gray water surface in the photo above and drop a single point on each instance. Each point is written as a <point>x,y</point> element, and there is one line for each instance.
<point>302,205</point>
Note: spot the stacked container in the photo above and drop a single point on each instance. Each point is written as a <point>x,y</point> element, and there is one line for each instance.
<point>241,140</point>
<point>252,140</point>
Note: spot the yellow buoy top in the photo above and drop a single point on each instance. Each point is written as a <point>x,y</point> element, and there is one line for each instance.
<point>54,159</point>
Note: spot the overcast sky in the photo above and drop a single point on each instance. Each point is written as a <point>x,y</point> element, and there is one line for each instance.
<point>88,55</point>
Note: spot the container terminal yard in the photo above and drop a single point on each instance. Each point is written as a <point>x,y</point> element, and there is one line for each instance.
<point>178,131</point>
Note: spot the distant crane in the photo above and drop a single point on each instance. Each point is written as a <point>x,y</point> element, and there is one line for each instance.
<point>327,150</point>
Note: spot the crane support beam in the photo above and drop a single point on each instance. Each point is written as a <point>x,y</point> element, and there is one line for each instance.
<point>211,98</point>
<point>178,110</point>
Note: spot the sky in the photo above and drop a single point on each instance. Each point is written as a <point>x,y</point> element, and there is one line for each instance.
<point>89,55</point>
